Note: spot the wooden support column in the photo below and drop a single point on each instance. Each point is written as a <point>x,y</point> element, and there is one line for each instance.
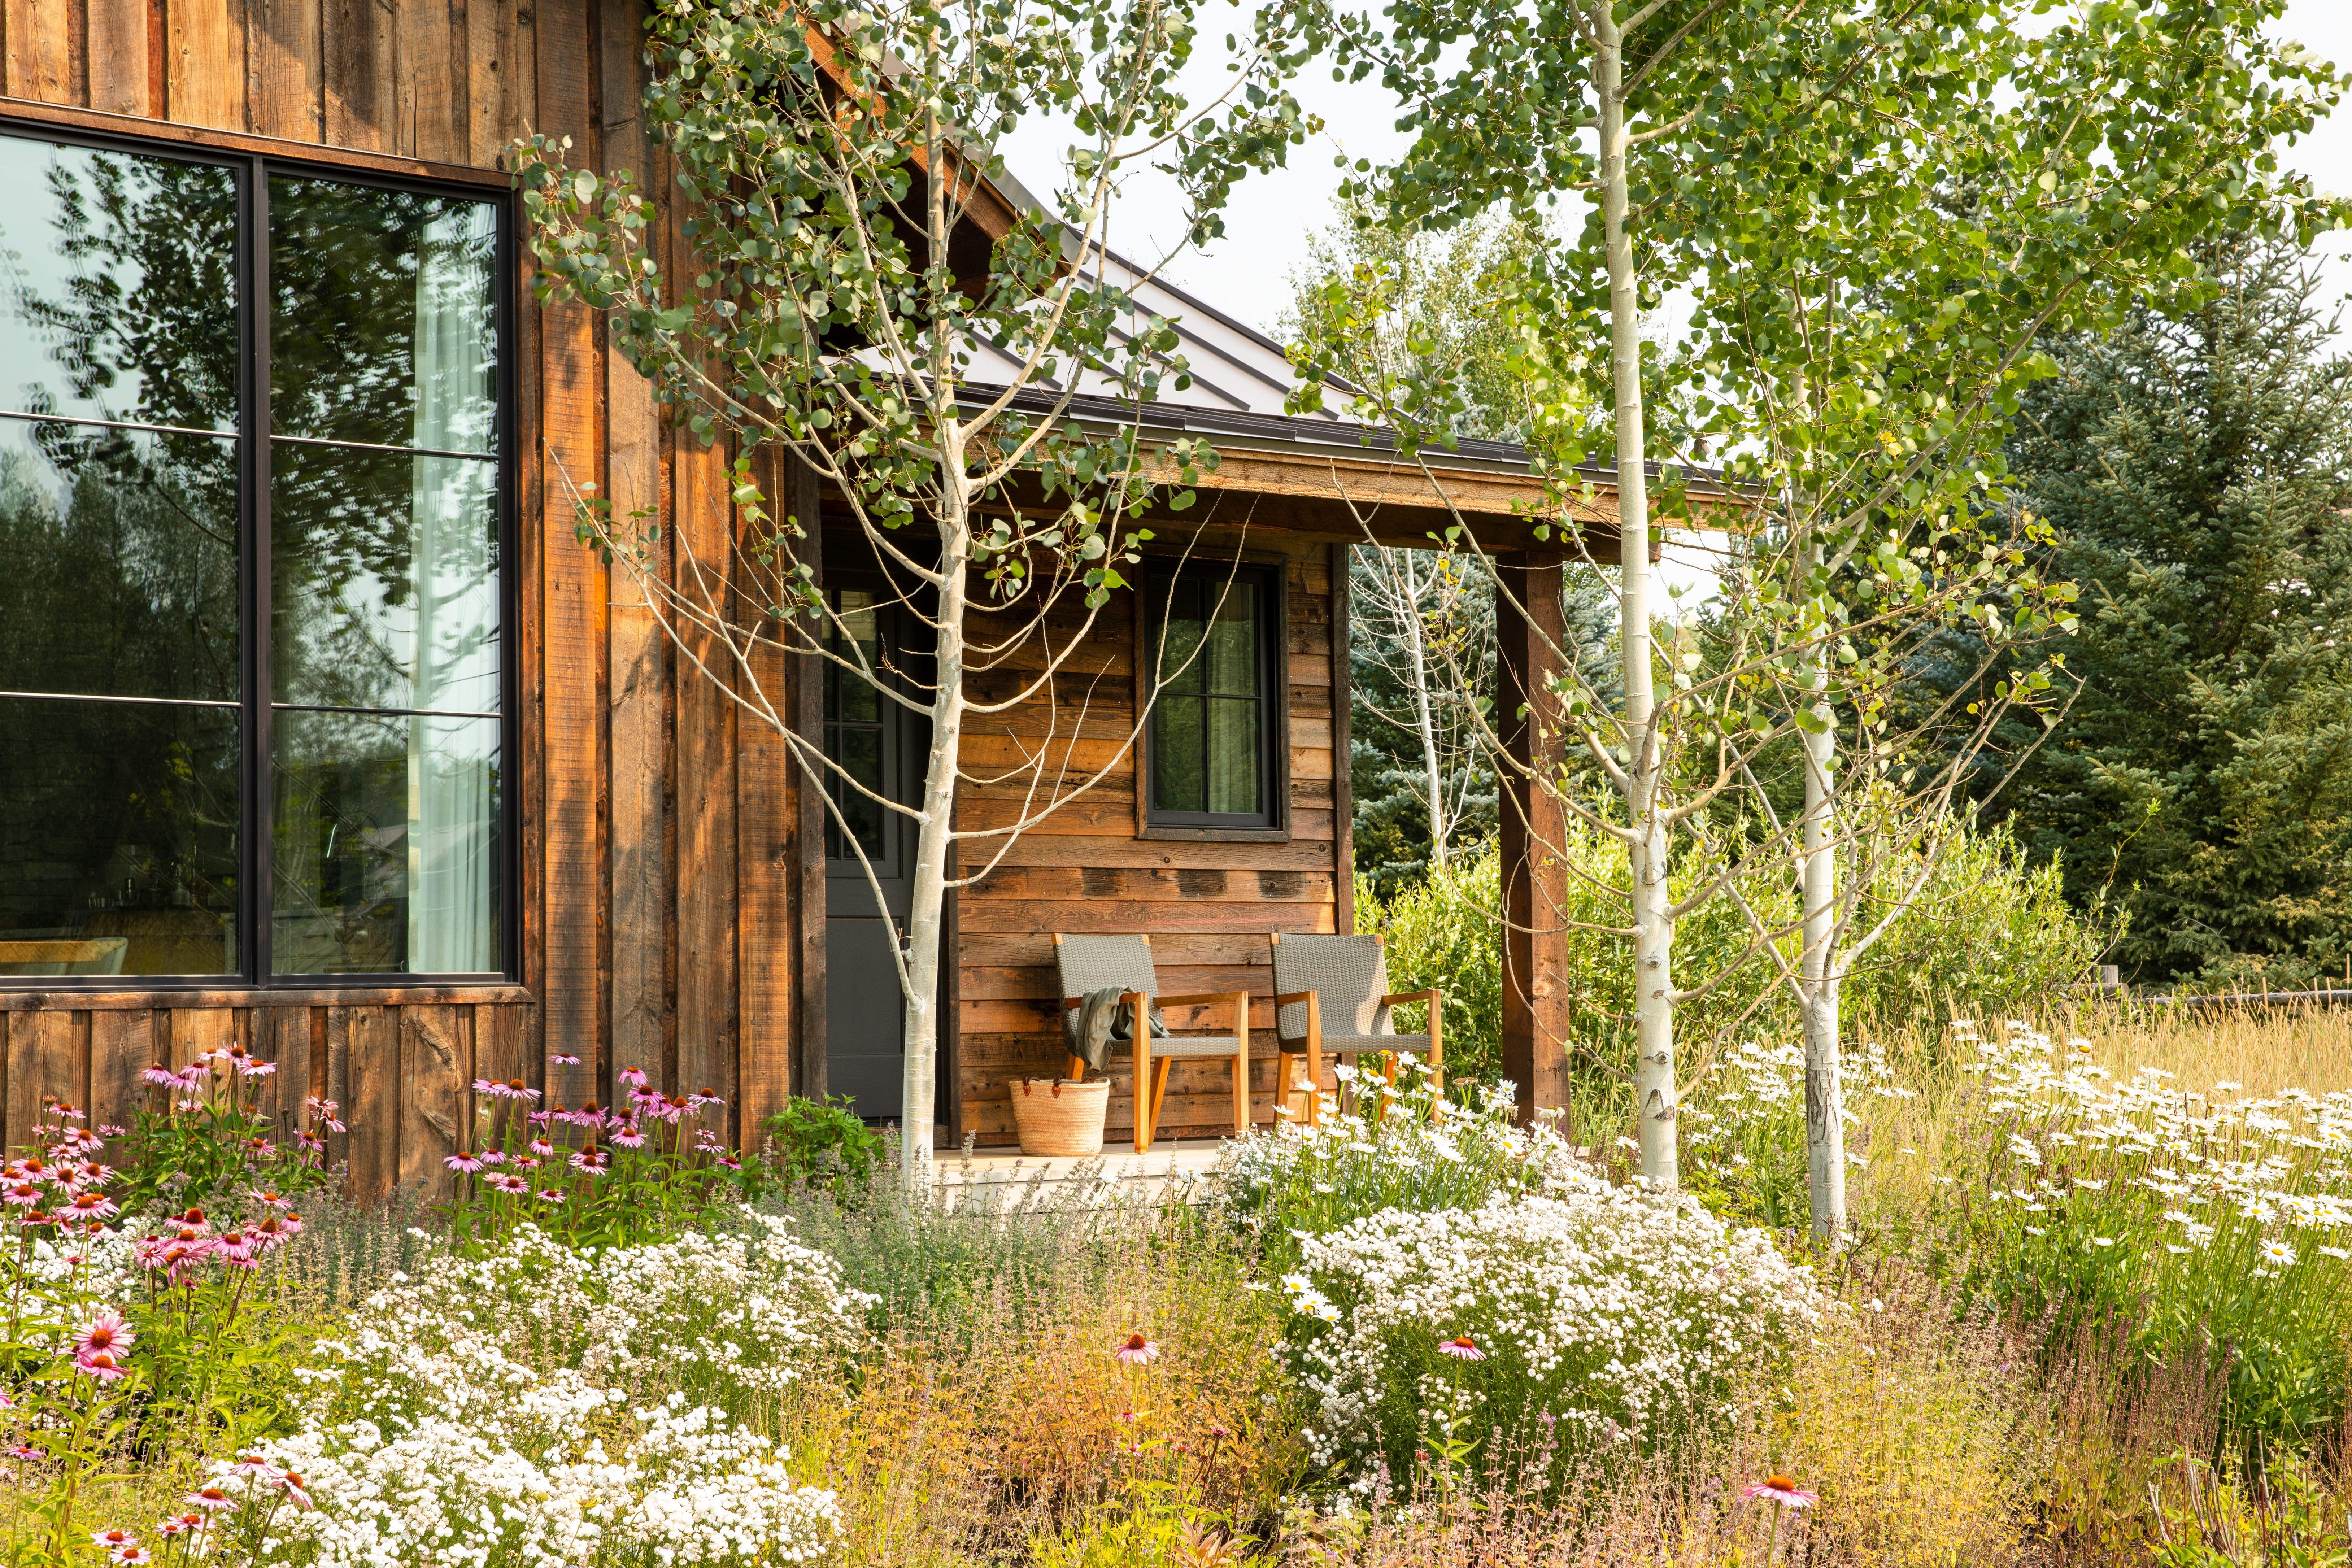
<point>1528,634</point>
<point>1343,797</point>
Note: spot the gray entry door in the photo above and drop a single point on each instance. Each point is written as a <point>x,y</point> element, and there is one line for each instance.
<point>881,745</point>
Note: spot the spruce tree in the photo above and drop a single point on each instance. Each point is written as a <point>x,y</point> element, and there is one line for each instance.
<point>2197,467</point>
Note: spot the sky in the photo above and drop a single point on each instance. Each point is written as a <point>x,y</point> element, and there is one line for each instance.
<point>1249,273</point>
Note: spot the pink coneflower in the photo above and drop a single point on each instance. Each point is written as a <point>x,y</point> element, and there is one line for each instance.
<point>707,1097</point>
<point>464,1163</point>
<point>107,1331</point>
<point>90,1207</point>
<point>526,1162</point>
<point>24,1452</point>
<point>205,1498</point>
<point>295,1488</point>
<point>236,1248</point>
<point>267,1200</point>
<point>627,1136</point>
<point>254,1465</point>
<point>1136,1351</point>
<point>260,1149</point>
<point>193,1220</point>
<point>103,1366</point>
<point>634,1077</point>
<point>134,1556</point>
<point>590,1162</point>
<point>94,1174</point>
<point>730,1161</point>
<point>291,1222</point>
<point>541,1147</point>
<point>160,1076</point>
<point>562,1060</point>
<point>21,1194</point>
<point>185,1524</point>
<point>1780,1489</point>
<point>112,1539</point>
<point>518,1090</point>
<point>1462,1347</point>
<point>37,1220</point>
<point>322,1112</point>
<point>109,1130</point>
<point>510,1184</point>
<point>312,1143</point>
<point>269,1232</point>
<point>494,1156</point>
<point>669,1107</point>
<point>552,1194</point>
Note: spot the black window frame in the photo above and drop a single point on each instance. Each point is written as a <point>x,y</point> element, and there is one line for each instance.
<point>255,709</point>
<point>1271,578</point>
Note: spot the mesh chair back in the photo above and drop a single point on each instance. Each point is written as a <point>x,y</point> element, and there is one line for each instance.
<point>1348,975</point>
<point>1094,962</point>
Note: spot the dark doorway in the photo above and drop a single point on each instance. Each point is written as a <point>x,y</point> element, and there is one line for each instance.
<point>882,744</point>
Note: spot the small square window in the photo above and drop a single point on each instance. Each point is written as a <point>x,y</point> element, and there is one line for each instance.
<point>1213,749</point>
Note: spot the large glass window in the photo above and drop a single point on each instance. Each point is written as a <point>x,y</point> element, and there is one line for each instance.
<point>1211,743</point>
<point>252,648</point>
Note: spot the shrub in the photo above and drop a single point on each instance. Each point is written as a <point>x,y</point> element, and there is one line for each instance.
<point>1988,932</point>
<point>540,1403</point>
<point>1406,1149</point>
<point>1561,1325</point>
<point>822,1142</point>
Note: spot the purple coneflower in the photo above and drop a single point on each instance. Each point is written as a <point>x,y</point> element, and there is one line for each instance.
<point>552,1194</point>
<point>24,1452</point>
<point>562,1060</point>
<point>465,1163</point>
<point>134,1555</point>
<point>103,1366</point>
<point>205,1498</point>
<point>112,1539</point>
<point>295,1488</point>
<point>92,1207</point>
<point>107,1331</point>
<point>236,1248</point>
<point>1136,1351</point>
<point>1462,1347</point>
<point>627,1136</point>
<point>541,1147</point>
<point>267,1200</point>
<point>707,1097</point>
<point>1780,1489</point>
<point>21,1194</point>
<point>592,1160</point>
<point>161,1076</point>
<point>634,1077</point>
<point>255,1465</point>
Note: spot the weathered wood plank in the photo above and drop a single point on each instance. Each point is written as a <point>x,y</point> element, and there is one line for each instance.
<point>374,1114</point>
<point>573,594</point>
<point>501,93</point>
<point>707,893</point>
<point>502,1053</point>
<point>764,877</point>
<point>1035,948</point>
<point>358,54</point>
<point>205,79</point>
<point>430,1089</point>
<point>1072,849</point>
<point>43,64</point>
<point>284,69</point>
<point>198,1030</point>
<point>339,1085</point>
<point>431,119</point>
<point>121,1046</point>
<point>638,650</point>
<point>1153,885</point>
<point>120,76</point>
<point>1124,915</point>
<point>292,1032</point>
<point>808,824</point>
<point>1337,736</point>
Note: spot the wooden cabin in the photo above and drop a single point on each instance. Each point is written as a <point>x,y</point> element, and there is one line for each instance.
<point>318,731</point>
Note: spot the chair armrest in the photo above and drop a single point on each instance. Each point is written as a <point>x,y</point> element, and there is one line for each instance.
<point>1435,998</point>
<point>1291,998</point>
<point>1202,1000</point>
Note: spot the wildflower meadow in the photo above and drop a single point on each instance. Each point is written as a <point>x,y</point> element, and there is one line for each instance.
<point>2094,1309</point>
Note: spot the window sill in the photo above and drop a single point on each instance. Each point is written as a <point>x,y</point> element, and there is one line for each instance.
<point>110,998</point>
<point>1219,834</point>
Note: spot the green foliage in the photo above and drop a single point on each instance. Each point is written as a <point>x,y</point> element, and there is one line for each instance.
<point>2196,465</point>
<point>1407,1148</point>
<point>651,1172</point>
<point>200,1143</point>
<point>1990,932</point>
<point>2284,1520</point>
<point>822,1142</point>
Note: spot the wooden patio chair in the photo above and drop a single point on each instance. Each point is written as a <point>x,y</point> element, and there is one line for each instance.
<point>1099,963</point>
<point>1331,998</point>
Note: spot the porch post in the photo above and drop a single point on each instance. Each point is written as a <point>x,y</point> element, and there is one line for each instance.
<point>1528,634</point>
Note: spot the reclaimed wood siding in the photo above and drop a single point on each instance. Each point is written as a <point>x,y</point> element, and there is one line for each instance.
<point>616,874</point>
<point>1208,906</point>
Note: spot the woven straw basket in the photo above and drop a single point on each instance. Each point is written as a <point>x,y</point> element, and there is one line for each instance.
<point>1060,1117</point>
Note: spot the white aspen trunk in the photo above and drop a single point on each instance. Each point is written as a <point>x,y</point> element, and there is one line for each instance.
<point>1418,653</point>
<point>1655,1093</point>
<point>926,897</point>
<point>1824,1094</point>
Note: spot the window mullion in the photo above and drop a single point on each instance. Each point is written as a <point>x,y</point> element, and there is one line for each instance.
<point>254,419</point>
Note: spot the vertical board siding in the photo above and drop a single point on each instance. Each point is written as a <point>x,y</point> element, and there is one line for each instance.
<point>119,65</point>
<point>204,71</point>
<point>285,71</point>
<point>358,51</point>
<point>43,61</point>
